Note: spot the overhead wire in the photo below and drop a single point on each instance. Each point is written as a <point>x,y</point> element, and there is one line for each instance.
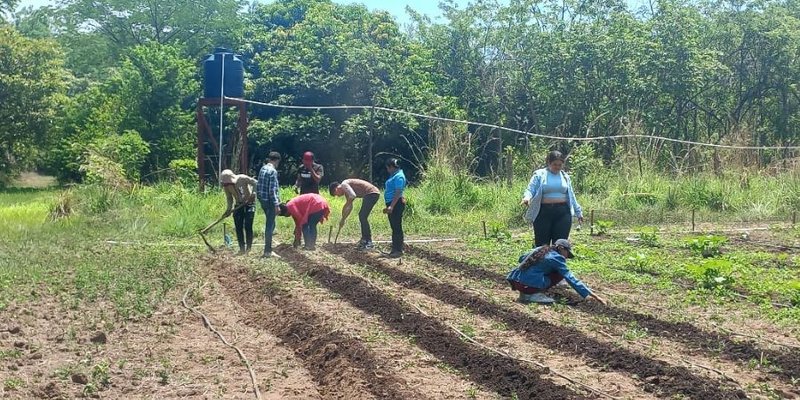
<point>530,134</point>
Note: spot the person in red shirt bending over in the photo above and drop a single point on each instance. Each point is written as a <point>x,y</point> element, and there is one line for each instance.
<point>307,210</point>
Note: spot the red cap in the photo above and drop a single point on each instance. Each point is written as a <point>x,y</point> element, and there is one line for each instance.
<point>308,156</point>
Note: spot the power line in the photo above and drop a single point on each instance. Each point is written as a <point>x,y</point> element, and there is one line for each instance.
<point>531,134</point>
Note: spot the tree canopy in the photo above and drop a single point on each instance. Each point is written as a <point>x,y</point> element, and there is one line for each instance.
<point>81,74</point>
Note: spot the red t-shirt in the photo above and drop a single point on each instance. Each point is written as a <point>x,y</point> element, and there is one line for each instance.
<point>304,205</point>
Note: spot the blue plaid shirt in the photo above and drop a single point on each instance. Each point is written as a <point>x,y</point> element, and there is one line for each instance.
<point>267,188</point>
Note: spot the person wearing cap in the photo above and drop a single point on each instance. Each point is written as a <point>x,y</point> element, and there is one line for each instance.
<point>352,189</point>
<point>542,268</point>
<point>239,190</point>
<point>395,204</point>
<point>309,175</point>
<point>269,196</point>
<point>307,210</point>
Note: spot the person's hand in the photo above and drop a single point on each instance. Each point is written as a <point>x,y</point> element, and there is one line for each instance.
<point>387,210</point>
<point>598,298</point>
<point>524,202</point>
<point>277,210</point>
<point>308,164</point>
<point>580,219</point>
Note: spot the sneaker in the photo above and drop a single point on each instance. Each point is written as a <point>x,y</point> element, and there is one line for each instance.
<point>562,284</point>
<point>541,298</point>
<point>271,254</point>
<point>524,298</point>
<point>395,254</point>
<point>365,245</point>
<point>309,248</point>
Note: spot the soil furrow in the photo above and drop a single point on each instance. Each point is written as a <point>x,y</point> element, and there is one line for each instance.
<point>657,376</point>
<point>710,343</point>
<point>506,376</point>
<point>342,366</point>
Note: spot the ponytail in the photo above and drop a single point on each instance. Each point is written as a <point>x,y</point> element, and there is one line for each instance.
<point>535,257</point>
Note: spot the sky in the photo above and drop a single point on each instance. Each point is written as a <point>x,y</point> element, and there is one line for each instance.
<point>394,7</point>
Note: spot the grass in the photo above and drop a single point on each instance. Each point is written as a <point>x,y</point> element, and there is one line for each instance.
<point>69,257</point>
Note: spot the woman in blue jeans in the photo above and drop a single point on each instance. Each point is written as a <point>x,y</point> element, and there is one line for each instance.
<point>542,268</point>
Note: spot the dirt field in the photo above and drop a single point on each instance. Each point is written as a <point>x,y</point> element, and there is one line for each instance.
<point>343,324</point>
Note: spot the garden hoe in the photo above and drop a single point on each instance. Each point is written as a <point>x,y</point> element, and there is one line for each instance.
<point>213,224</point>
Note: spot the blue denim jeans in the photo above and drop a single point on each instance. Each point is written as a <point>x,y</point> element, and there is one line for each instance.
<point>310,229</point>
<point>269,229</point>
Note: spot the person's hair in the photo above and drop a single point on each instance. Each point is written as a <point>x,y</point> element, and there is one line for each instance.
<point>274,156</point>
<point>284,211</point>
<point>555,155</point>
<point>332,188</point>
<point>535,257</point>
<point>392,162</point>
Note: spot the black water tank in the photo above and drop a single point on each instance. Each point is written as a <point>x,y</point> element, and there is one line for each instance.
<point>212,74</point>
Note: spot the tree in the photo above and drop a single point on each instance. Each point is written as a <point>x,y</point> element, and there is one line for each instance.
<point>32,83</point>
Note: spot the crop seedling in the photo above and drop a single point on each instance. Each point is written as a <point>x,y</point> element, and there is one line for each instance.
<point>648,236</point>
<point>713,274</point>
<point>707,245</point>
<point>499,232</point>
<point>602,227</point>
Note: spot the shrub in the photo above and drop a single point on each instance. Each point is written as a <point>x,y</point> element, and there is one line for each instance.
<point>185,170</point>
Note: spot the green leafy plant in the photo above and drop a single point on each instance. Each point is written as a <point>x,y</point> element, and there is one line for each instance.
<point>648,236</point>
<point>602,227</point>
<point>707,245</point>
<point>498,231</point>
<point>713,274</point>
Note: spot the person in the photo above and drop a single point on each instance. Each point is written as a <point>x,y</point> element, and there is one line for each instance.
<point>309,175</point>
<point>239,190</point>
<point>307,210</point>
<point>542,268</point>
<point>352,189</point>
<point>269,196</point>
<point>395,205</point>
<point>551,202</point>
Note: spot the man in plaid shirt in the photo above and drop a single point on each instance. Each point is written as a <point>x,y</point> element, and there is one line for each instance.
<point>268,193</point>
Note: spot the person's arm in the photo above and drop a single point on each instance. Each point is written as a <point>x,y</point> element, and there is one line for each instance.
<point>274,189</point>
<point>348,207</point>
<point>316,176</point>
<point>298,231</point>
<point>530,191</point>
<point>573,200</point>
<point>560,265</point>
<point>229,200</point>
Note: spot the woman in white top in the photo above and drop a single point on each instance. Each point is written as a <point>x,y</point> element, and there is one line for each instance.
<point>239,189</point>
<point>551,202</point>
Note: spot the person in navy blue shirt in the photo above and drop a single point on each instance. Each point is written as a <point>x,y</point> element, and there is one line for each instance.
<point>543,268</point>
<point>395,205</point>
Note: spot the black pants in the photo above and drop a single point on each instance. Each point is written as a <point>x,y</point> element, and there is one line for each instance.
<point>553,222</point>
<point>396,222</point>
<point>367,203</point>
<point>243,221</point>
